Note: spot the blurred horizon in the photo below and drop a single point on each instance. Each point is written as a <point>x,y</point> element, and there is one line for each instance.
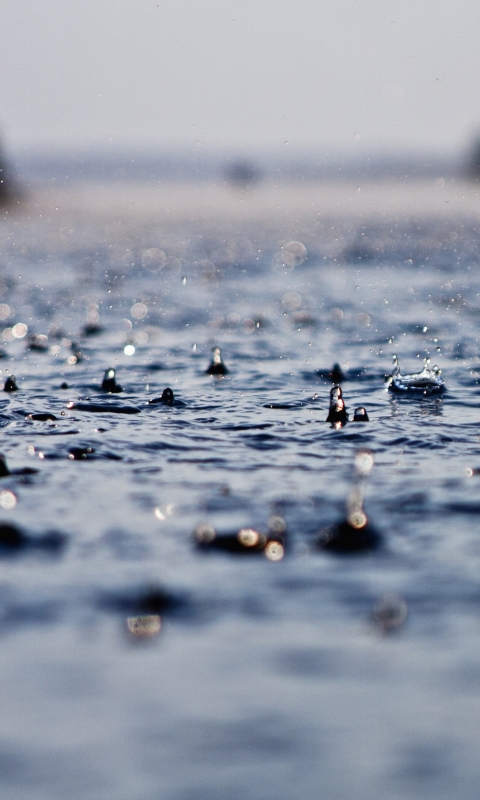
<point>243,166</point>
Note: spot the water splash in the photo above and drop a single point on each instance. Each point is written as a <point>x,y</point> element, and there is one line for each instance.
<point>426,382</point>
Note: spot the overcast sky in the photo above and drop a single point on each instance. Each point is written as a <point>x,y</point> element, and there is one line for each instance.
<point>332,74</point>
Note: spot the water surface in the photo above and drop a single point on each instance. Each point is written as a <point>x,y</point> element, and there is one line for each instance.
<point>266,679</point>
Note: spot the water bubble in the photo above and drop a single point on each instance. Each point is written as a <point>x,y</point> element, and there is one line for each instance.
<point>292,301</point>
<point>248,325</point>
<point>139,310</point>
<point>141,338</point>
<point>5,311</point>
<point>153,259</point>
<point>234,319</point>
<point>294,254</point>
<point>336,315</point>
<point>129,349</point>
<point>19,330</point>
<point>364,319</point>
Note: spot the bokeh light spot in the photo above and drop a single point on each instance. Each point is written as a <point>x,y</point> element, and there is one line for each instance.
<point>144,627</point>
<point>274,551</point>
<point>153,259</point>
<point>248,537</point>
<point>7,500</point>
<point>294,254</point>
<point>139,310</point>
<point>292,301</point>
<point>19,330</point>
<point>205,533</point>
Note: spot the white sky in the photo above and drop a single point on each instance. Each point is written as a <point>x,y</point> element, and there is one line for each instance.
<point>325,73</point>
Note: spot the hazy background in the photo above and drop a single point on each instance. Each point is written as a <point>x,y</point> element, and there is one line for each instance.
<point>229,73</point>
<point>270,79</point>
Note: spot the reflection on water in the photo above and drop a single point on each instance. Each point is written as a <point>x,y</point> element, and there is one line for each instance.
<point>424,406</point>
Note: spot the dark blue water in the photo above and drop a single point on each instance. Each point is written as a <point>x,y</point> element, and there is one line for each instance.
<point>253,678</point>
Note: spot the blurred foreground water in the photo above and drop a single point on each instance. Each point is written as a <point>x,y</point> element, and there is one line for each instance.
<point>135,665</point>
